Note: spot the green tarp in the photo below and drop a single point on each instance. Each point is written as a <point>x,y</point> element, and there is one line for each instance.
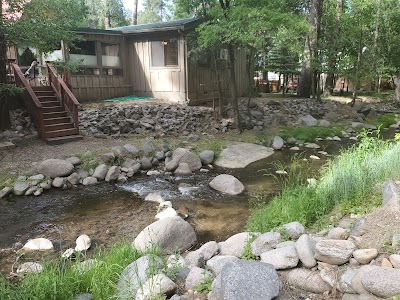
<point>128,98</point>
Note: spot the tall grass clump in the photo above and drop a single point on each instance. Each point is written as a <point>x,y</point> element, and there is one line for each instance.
<point>309,134</point>
<point>348,179</point>
<point>64,279</point>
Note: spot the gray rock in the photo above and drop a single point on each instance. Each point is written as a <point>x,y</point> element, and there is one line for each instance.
<point>334,252</point>
<point>338,233</point>
<point>89,181</point>
<point>100,172</point>
<point>154,197</point>
<point>248,280</point>
<point>308,120</point>
<point>195,259</point>
<point>182,155</point>
<point>278,143</point>
<point>136,274</point>
<point>30,267</point>
<point>170,234</point>
<point>73,178</point>
<point>294,230</point>
<point>307,280</point>
<point>390,190</point>
<point>382,282</point>
<point>286,244</point>
<point>159,155</point>
<point>55,168</point>
<point>395,260</point>
<point>37,177</point>
<point>282,258</point>
<point>356,283</point>
<point>39,244</point>
<point>305,247</point>
<point>108,158</point>
<point>20,188</point>
<point>227,184</point>
<point>345,282</point>
<point>183,169</point>
<point>265,242</point>
<point>58,182</point>
<point>216,263</point>
<point>240,155</point>
<point>365,256</point>
<point>324,123</point>
<point>84,296</point>
<point>208,250</point>
<point>83,174</point>
<point>132,150</point>
<point>83,243</point>
<point>395,239</point>
<point>30,191</point>
<point>196,276</point>
<point>146,163</point>
<point>207,157</point>
<point>129,163</point>
<point>5,192</point>
<point>235,244</point>
<point>45,185</point>
<point>156,286</point>
<point>113,174</point>
<point>76,161</point>
<point>119,151</point>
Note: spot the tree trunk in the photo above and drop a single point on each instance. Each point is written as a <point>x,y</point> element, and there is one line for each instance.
<point>329,85</point>
<point>397,90</point>
<point>357,66</point>
<point>134,13</point>
<point>4,110</point>
<point>376,37</point>
<point>107,17</point>
<point>235,105</point>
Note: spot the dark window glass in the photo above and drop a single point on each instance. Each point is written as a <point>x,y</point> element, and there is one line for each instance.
<point>83,47</point>
<point>164,53</point>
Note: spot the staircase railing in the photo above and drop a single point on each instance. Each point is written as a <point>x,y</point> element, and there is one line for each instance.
<point>31,100</point>
<point>63,93</point>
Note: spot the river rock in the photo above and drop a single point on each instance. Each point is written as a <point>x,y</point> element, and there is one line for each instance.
<point>119,151</point>
<point>84,296</point>
<point>307,280</point>
<point>227,184</point>
<point>5,192</point>
<point>324,123</point>
<point>76,161</point>
<point>282,258</point>
<point>246,280</point>
<point>240,155</point>
<point>235,244</point>
<point>390,190</point>
<point>20,188</point>
<point>46,185</point>
<point>30,267</point>
<point>207,157</point>
<point>168,212</point>
<point>100,172</point>
<point>286,244</point>
<point>132,150</point>
<point>154,197</point>
<point>216,263</point>
<point>113,173</point>
<point>129,163</point>
<point>55,168</point>
<point>155,287</point>
<point>265,242</point>
<point>196,276</point>
<point>145,163</point>
<point>382,282</point>
<point>83,243</point>
<point>312,146</point>
<point>345,282</point>
<point>305,247</point>
<point>89,181</point>
<point>278,143</point>
<point>39,244</point>
<point>58,182</point>
<point>195,259</point>
<point>356,283</point>
<point>69,253</point>
<point>396,240</point>
<point>182,155</point>
<point>334,252</point>
<point>73,178</point>
<point>395,260</point>
<point>108,158</point>
<point>365,256</point>
<point>338,233</point>
<point>294,230</point>
<point>183,169</point>
<point>208,250</point>
<point>170,234</point>
<point>308,120</point>
<point>136,274</point>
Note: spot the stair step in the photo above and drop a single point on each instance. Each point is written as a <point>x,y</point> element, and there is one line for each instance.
<point>44,93</point>
<point>47,98</point>
<point>62,132</point>
<point>63,139</point>
<point>50,103</point>
<point>53,115</point>
<point>51,109</point>
<point>60,126</point>
<point>57,120</point>
<point>42,88</point>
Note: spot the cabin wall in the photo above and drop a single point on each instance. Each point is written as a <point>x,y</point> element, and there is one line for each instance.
<point>202,79</point>
<point>164,82</point>
<point>98,86</point>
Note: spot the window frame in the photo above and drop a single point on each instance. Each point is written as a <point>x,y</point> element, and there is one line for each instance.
<point>177,66</point>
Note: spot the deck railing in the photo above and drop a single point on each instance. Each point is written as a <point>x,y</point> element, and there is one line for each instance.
<point>31,100</point>
<point>63,93</point>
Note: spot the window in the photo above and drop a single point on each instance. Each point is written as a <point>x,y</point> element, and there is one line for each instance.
<point>164,53</point>
<point>84,52</point>
<point>110,55</point>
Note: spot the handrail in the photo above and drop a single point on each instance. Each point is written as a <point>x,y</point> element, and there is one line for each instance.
<point>63,93</point>
<point>31,100</point>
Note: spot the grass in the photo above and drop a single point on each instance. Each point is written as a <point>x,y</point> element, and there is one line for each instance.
<point>61,280</point>
<point>7,180</point>
<point>348,180</point>
<point>385,120</point>
<point>310,133</point>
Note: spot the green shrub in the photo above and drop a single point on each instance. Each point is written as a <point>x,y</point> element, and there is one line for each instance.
<point>310,133</point>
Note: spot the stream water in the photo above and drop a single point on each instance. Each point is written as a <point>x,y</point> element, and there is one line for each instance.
<point>112,212</point>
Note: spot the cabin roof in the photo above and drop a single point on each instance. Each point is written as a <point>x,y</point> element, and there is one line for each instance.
<point>182,24</point>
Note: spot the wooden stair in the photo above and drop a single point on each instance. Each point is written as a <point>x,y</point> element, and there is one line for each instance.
<point>56,118</point>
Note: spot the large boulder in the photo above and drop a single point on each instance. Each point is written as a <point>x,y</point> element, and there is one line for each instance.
<point>227,184</point>
<point>282,258</point>
<point>155,287</point>
<point>382,282</point>
<point>55,168</point>
<point>248,280</point>
<point>136,274</point>
<point>305,279</point>
<point>182,155</point>
<point>100,172</point>
<point>235,244</point>
<point>334,252</point>
<point>170,234</point>
<point>308,120</point>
